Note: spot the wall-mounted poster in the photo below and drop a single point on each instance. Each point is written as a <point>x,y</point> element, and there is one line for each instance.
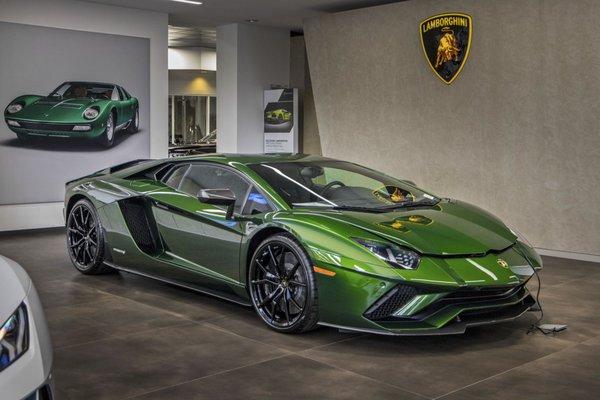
<point>281,121</point>
<point>73,103</point>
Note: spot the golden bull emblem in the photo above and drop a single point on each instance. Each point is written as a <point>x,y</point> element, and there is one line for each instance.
<point>446,40</point>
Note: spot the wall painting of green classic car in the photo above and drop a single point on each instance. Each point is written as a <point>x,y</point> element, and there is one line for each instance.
<point>75,110</point>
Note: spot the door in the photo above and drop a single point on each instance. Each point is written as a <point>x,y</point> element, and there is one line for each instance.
<point>197,235</point>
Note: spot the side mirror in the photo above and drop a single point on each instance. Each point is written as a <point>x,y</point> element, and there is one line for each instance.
<point>218,197</point>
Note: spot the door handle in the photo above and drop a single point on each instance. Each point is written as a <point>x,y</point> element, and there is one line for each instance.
<point>162,206</point>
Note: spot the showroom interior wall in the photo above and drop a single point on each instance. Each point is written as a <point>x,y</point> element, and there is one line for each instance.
<point>192,71</point>
<point>98,18</point>
<point>250,59</point>
<point>309,141</point>
<point>192,83</point>
<point>516,133</point>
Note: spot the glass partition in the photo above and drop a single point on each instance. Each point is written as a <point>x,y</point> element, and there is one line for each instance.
<point>192,119</point>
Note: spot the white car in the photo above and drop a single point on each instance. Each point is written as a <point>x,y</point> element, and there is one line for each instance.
<point>25,348</point>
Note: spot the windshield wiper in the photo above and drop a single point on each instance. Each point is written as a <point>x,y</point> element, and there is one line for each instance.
<point>358,208</point>
<point>410,203</point>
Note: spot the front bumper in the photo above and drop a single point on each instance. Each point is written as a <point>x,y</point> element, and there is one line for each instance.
<point>84,129</point>
<point>358,301</point>
<point>44,392</point>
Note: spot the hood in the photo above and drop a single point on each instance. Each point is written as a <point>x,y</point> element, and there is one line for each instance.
<point>14,286</point>
<point>449,228</point>
<point>53,109</point>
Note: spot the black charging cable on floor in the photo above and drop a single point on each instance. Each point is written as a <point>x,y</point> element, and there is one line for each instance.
<point>546,329</point>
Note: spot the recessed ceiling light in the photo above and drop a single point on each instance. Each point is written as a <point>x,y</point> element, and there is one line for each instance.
<point>252,20</point>
<point>189,2</point>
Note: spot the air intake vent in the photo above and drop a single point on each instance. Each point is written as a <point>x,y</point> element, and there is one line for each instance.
<point>391,302</point>
<point>141,225</point>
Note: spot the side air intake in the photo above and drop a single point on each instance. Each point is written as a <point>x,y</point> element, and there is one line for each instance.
<point>391,302</point>
<point>140,222</point>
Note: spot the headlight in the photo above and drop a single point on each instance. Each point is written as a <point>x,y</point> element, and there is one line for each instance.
<point>14,108</point>
<point>14,337</point>
<point>90,113</point>
<point>394,255</point>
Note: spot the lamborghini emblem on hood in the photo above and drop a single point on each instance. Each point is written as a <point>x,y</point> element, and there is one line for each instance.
<point>446,39</point>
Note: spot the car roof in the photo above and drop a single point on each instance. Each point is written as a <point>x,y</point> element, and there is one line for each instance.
<point>254,158</point>
<point>90,83</point>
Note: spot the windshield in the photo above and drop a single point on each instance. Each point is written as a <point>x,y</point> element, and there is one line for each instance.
<point>339,184</point>
<point>82,90</point>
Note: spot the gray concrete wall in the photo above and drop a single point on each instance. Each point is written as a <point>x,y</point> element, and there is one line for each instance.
<point>517,133</point>
<point>249,59</point>
<point>309,141</point>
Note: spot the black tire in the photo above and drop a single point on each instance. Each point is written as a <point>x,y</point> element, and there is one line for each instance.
<point>134,125</point>
<point>282,285</point>
<point>107,138</point>
<point>85,239</point>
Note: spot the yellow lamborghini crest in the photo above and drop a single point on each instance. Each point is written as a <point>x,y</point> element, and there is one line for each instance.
<point>446,39</point>
<point>502,263</point>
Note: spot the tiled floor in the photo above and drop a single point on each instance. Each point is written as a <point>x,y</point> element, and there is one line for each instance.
<point>121,336</point>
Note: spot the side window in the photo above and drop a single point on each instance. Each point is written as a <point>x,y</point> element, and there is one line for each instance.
<point>256,203</point>
<point>121,94</point>
<point>126,96</point>
<point>175,177</point>
<point>214,177</point>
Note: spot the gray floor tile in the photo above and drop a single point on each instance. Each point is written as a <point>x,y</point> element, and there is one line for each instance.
<point>291,377</point>
<point>114,316</point>
<point>248,324</point>
<point>436,365</point>
<point>568,374</point>
<point>120,367</point>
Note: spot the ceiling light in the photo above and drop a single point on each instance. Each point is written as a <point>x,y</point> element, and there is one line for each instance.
<point>198,3</point>
<point>251,20</point>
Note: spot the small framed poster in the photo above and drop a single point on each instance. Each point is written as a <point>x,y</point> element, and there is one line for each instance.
<point>281,121</point>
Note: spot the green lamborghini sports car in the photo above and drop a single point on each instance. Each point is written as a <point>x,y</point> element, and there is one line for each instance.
<point>278,116</point>
<point>305,240</point>
<point>75,110</point>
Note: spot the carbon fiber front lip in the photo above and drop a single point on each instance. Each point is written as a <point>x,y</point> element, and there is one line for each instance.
<point>455,328</point>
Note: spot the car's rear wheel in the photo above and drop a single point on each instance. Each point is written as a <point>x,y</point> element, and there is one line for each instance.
<point>282,285</point>
<point>108,137</point>
<point>85,239</point>
<point>134,125</point>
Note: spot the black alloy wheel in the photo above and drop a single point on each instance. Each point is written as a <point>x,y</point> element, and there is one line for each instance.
<point>282,285</point>
<point>85,239</point>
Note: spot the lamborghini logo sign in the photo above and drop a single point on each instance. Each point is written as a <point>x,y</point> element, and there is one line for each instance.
<point>446,39</point>
<point>502,263</point>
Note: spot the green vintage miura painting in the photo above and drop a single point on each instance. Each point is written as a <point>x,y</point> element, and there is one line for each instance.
<point>75,110</point>
<point>305,240</point>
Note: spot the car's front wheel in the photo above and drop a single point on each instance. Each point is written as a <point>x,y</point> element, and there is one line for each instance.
<point>85,239</point>
<point>282,285</point>
<point>108,137</point>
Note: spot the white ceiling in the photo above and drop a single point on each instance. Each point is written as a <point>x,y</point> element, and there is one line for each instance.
<point>212,13</point>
